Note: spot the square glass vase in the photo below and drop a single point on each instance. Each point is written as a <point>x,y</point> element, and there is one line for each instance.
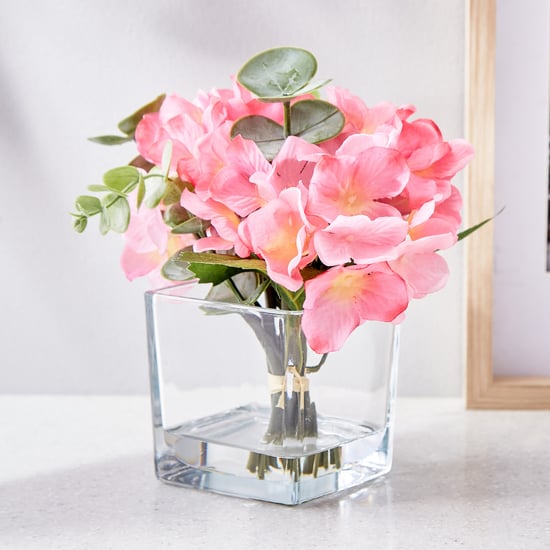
<point>242,406</point>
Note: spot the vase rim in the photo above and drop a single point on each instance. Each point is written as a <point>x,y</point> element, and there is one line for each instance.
<point>184,290</point>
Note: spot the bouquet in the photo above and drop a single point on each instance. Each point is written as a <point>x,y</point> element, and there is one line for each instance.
<point>278,198</point>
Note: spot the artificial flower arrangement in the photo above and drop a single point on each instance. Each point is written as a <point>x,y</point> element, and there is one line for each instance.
<point>279,199</point>
<point>335,207</point>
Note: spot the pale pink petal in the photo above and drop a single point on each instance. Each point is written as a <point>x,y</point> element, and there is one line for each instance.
<point>360,239</point>
<point>342,298</point>
<point>424,273</point>
<point>278,233</point>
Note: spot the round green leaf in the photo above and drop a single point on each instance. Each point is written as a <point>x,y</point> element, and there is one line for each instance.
<point>279,73</point>
<point>80,224</point>
<point>88,205</point>
<point>315,120</point>
<point>122,179</point>
<point>118,214</point>
<point>268,135</point>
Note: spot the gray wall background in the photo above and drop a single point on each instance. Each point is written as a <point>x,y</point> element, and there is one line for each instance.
<point>69,320</point>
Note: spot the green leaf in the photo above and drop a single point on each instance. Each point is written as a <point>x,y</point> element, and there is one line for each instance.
<point>97,188</point>
<point>104,222</point>
<point>470,230</point>
<point>166,158</point>
<point>88,205</point>
<point>246,264</point>
<point>268,135</point>
<point>155,187</point>
<point>315,120</point>
<point>110,140</point>
<point>192,225</point>
<point>118,214</point>
<point>173,191</point>
<point>129,124</point>
<point>278,74</point>
<point>175,214</point>
<point>140,191</point>
<point>177,270</point>
<point>122,179</point>
<point>80,224</point>
<point>213,273</point>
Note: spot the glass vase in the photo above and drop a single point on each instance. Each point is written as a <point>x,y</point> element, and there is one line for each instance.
<point>242,406</point>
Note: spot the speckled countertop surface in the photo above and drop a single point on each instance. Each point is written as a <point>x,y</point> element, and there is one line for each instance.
<point>76,472</point>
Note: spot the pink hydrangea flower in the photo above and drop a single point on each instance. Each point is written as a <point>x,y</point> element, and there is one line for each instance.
<point>342,298</point>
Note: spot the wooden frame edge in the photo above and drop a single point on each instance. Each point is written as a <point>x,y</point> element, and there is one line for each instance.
<point>483,389</point>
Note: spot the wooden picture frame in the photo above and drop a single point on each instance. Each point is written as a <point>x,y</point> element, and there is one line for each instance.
<point>484,390</point>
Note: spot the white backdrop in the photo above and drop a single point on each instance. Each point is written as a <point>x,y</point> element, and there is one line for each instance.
<point>70,322</point>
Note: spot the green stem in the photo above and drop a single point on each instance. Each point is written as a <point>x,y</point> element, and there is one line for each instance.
<point>287,127</point>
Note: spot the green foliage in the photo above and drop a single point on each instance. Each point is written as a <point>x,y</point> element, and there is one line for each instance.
<point>280,74</point>
<point>129,124</point>
<point>311,119</point>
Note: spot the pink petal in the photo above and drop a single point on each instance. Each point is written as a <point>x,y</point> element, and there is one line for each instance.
<point>342,298</point>
<point>360,239</point>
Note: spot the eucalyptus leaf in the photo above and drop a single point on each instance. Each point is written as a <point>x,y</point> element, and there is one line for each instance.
<point>192,225</point>
<point>119,215</point>
<point>266,133</point>
<point>129,124</point>
<point>140,191</point>
<point>175,214</point>
<point>80,224</point>
<point>278,73</point>
<point>155,187</point>
<point>315,120</point>
<point>166,158</point>
<point>104,222</point>
<point>173,191</point>
<point>88,205</point>
<point>110,140</point>
<point>97,188</point>
<point>122,179</point>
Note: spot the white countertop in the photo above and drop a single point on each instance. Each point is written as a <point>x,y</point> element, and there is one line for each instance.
<point>77,473</point>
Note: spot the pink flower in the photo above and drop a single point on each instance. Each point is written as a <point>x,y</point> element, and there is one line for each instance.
<point>224,221</point>
<point>148,244</point>
<point>342,298</point>
<point>360,239</point>
<point>349,185</point>
<point>279,232</point>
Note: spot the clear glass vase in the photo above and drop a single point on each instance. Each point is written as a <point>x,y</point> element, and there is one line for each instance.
<point>242,406</point>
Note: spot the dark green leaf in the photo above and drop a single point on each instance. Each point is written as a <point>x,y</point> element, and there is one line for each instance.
<point>173,191</point>
<point>279,73</point>
<point>110,140</point>
<point>175,215</point>
<point>122,179</point>
<point>268,135</point>
<point>193,225</point>
<point>118,214</point>
<point>470,230</point>
<point>129,124</point>
<point>212,273</point>
<point>88,205</point>
<point>246,264</point>
<point>80,224</point>
<point>315,120</point>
